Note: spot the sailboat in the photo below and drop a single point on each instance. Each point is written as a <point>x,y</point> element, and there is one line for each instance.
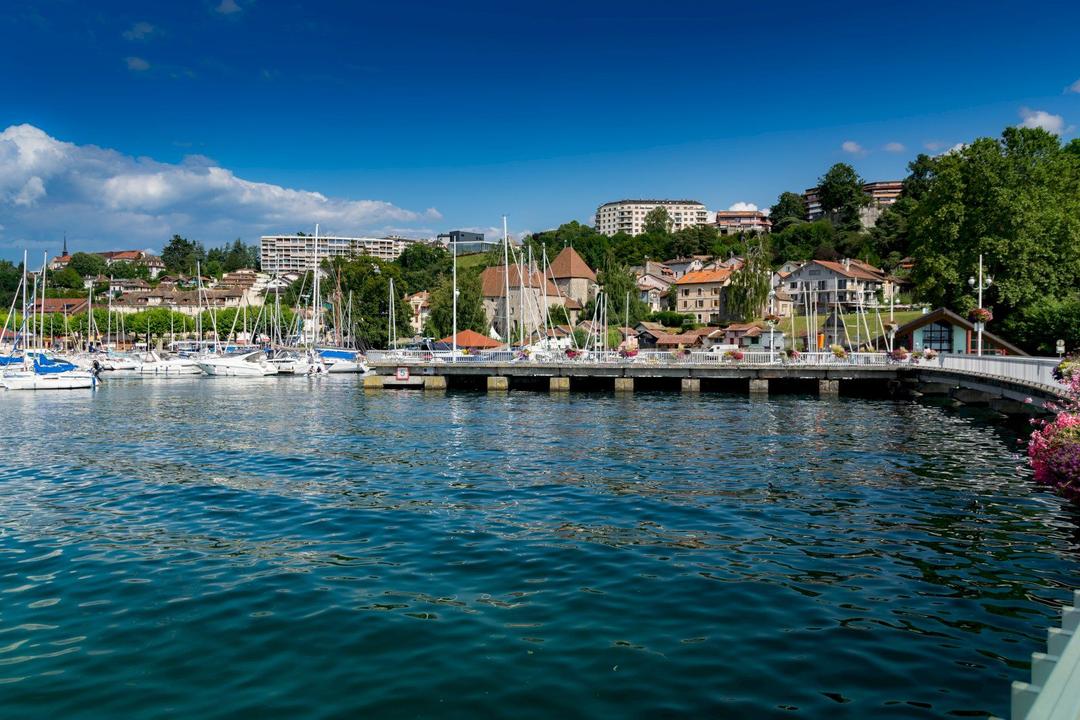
<point>38,371</point>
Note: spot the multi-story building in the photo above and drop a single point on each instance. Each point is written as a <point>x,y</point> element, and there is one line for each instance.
<point>848,283</point>
<point>628,216</point>
<point>153,263</point>
<point>700,293</point>
<point>881,194</point>
<point>750,221</point>
<point>466,242</point>
<point>419,310</point>
<point>286,253</point>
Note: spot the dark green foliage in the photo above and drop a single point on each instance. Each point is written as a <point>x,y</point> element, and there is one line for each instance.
<point>840,191</point>
<point>470,310</point>
<point>790,209</point>
<point>423,266</point>
<point>87,264</point>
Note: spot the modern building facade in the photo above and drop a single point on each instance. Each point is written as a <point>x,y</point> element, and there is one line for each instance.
<point>296,253</point>
<point>628,216</point>
<point>466,242</point>
<point>729,222</point>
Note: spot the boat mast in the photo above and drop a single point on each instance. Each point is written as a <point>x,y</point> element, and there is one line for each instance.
<point>453,352</point>
<point>506,273</point>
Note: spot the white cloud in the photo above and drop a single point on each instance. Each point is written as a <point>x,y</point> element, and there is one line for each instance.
<point>850,146</point>
<point>137,64</point>
<point>31,192</point>
<point>743,207</point>
<point>228,7</point>
<point>140,31</point>
<point>1074,88</point>
<point>48,186</point>
<point>933,145</point>
<point>1041,119</point>
<point>895,147</point>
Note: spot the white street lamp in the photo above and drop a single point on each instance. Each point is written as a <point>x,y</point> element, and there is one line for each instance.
<point>979,285</point>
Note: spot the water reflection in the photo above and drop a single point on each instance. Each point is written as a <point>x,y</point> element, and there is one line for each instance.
<point>457,554</point>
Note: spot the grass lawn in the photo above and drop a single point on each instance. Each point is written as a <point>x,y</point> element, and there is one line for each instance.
<point>850,320</point>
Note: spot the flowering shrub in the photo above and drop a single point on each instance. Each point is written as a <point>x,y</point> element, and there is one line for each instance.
<point>1054,447</point>
<point>900,354</point>
<point>628,352</point>
<point>572,353</point>
<point>735,355</point>
<point>929,354</point>
<point>791,354</point>
<point>982,315</point>
<point>838,351</point>
<point>1067,368</point>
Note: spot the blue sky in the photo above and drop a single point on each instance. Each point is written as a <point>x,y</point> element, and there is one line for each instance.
<point>126,122</point>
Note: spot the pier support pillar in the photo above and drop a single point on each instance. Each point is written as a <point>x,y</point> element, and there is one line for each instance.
<point>498,383</point>
<point>759,386</point>
<point>373,382</point>
<point>691,385</point>
<point>434,382</point>
<point>624,384</point>
<point>828,388</point>
<point>559,384</point>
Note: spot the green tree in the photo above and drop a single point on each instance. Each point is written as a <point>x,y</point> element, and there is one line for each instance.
<point>790,209</point>
<point>657,221</point>
<point>1014,200</point>
<point>840,191</point>
<point>470,309</point>
<point>1039,325</point>
<point>424,267</point>
<point>619,286</point>
<point>67,278</point>
<point>367,279</point>
<point>87,264</point>
<point>749,288</point>
<point>180,255</point>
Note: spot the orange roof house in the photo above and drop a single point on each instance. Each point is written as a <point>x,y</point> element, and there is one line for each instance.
<point>568,264</point>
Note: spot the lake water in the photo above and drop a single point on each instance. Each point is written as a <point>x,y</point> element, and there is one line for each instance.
<point>287,547</point>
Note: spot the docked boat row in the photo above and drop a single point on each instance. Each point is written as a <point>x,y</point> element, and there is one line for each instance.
<point>28,365</point>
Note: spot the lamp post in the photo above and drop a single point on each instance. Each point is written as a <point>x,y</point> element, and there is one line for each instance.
<point>772,324</point>
<point>980,285</point>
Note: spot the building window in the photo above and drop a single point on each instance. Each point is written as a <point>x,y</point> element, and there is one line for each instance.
<point>938,337</point>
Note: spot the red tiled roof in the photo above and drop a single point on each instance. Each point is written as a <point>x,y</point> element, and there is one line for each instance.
<point>704,276</point>
<point>472,339</point>
<point>493,281</point>
<point>854,271</point>
<point>61,305</point>
<point>568,264</point>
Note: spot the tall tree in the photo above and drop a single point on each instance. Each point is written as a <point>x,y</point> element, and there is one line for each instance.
<point>470,307</point>
<point>180,255</point>
<point>790,209</point>
<point>424,266</point>
<point>657,221</point>
<point>749,288</point>
<point>840,191</point>
<point>1014,200</point>
<point>87,264</point>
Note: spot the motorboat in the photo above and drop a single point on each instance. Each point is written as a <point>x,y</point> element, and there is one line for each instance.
<point>338,360</point>
<point>154,364</point>
<point>39,372</point>
<point>249,364</point>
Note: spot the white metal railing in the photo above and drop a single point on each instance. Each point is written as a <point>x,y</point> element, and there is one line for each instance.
<point>1036,370</point>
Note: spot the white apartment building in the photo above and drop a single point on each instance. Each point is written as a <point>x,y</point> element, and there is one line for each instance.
<point>280,254</point>
<point>629,215</point>
<point>748,221</point>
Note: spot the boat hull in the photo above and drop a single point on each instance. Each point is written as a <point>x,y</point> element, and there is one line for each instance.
<point>75,380</point>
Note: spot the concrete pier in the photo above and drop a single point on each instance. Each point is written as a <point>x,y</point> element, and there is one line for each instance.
<point>624,384</point>
<point>559,384</point>
<point>690,385</point>
<point>498,383</point>
<point>373,382</point>
<point>828,388</point>
<point>759,386</point>
<point>434,382</point>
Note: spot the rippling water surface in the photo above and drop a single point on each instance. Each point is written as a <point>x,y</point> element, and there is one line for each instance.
<point>285,548</point>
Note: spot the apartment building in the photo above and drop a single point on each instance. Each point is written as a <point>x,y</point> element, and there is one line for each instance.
<point>465,242</point>
<point>296,253</point>
<point>629,215</point>
<point>729,222</point>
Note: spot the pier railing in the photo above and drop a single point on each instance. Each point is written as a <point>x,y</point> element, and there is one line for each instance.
<point>1027,370</point>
